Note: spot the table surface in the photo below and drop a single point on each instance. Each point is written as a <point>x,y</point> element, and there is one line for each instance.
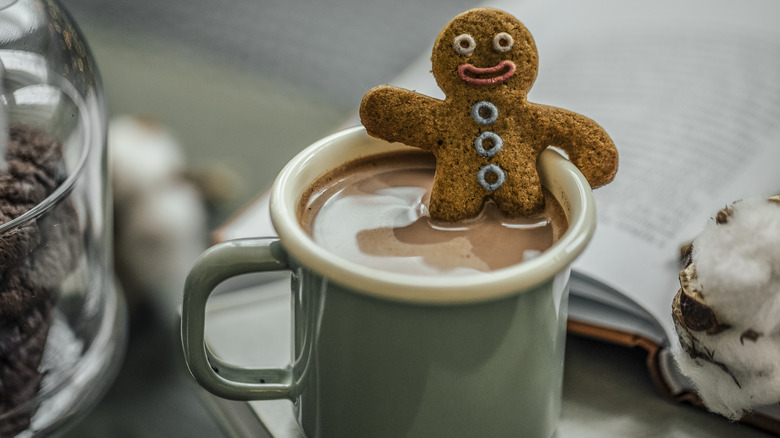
<point>246,85</point>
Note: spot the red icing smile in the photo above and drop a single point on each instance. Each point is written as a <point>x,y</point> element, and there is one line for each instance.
<point>497,74</point>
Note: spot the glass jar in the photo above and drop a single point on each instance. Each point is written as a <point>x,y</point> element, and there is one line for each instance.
<point>62,322</point>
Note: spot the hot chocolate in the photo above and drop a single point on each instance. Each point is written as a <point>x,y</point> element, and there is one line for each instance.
<point>373,211</point>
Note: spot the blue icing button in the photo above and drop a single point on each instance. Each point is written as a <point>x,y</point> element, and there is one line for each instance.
<point>484,112</point>
<point>491,137</point>
<point>491,169</point>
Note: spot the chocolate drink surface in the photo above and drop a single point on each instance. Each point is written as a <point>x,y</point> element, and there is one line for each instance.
<point>373,211</point>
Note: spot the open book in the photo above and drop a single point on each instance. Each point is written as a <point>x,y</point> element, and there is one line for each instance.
<point>689,92</point>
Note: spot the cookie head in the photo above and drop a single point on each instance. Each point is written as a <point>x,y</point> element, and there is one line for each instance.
<point>484,48</point>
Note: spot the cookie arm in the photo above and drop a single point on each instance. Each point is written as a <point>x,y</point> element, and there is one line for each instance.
<point>587,144</point>
<point>398,115</point>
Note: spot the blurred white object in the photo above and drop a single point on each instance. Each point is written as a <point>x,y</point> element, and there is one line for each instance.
<point>160,214</point>
<point>727,313</point>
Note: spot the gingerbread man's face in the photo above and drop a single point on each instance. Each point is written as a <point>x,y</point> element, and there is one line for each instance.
<point>484,50</point>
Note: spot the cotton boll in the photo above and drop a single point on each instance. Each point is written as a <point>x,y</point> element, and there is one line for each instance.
<point>727,313</point>
<point>160,216</point>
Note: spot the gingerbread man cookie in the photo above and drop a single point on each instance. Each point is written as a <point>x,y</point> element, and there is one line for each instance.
<point>485,135</point>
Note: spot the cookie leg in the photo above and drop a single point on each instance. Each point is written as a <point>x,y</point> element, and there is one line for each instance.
<point>451,202</point>
<point>520,197</point>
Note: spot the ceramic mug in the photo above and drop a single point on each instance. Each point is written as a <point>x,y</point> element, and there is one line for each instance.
<point>385,354</point>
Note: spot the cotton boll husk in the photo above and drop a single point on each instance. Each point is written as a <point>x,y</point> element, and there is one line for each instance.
<point>738,265</point>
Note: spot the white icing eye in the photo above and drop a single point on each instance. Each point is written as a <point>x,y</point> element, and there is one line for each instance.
<point>503,42</point>
<point>464,44</point>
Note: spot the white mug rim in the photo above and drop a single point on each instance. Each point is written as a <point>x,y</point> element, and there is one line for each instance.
<point>559,176</point>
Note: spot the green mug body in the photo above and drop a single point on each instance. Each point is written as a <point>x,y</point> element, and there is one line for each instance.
<point>371,367</point>
<point>378,354</point>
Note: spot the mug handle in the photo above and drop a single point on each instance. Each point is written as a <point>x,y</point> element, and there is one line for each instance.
<point>218,263</point>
